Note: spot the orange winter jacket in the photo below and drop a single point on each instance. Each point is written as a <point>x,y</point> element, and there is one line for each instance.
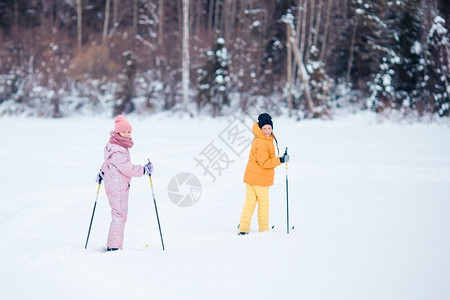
<point>262,160</point>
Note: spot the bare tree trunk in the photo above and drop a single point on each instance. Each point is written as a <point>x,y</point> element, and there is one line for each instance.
<point>106,22</point>
<point>232,20</point>
<point>224,17</point>
<point>16,14</point>
<point>325,33</point>
<point>44,20</point>
<point>216,15</point>
<point>289,72</point>
<point>186,57</point>
<point>299,19</point>
<point>210,19</point>
<point>198,16</point>
<point>161,23</point>
<point>298,33</point>
<point>135,17</point>
<point>227,19</point>
<point>79,24</point>
<point>115,12</point>
<point>317,26</point>
<point>352,50</point>
<point>303,32</point>
<point>310,31</point>
<point>180,10</point>
<point>301,71</point>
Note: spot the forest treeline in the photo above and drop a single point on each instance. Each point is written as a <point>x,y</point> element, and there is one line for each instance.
<point>305,57</point>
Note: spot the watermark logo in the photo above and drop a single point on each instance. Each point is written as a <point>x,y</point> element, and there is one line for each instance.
<point>214,159</point>
<point>184,189</point>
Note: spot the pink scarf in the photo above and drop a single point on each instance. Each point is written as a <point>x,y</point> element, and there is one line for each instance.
<point>121,141</point>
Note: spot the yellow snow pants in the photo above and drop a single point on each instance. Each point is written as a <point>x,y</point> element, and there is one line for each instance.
<point>260,194</point>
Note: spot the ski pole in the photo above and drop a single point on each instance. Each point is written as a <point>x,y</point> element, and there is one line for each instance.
<point>156,210</point>
<point>287,195</point>
<point>93,212</point>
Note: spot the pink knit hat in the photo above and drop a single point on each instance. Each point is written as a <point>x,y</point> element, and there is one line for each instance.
<point>121,123</point>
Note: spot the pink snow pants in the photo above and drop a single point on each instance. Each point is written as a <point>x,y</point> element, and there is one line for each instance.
<point>118,200</point>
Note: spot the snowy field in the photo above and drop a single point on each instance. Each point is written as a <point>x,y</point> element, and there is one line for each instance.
<point>370,203</point>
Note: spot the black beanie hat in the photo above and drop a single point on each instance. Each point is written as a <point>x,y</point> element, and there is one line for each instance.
<point>264,119</point>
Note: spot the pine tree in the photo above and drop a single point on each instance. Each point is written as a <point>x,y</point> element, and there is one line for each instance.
<point>365,61</point>
<point>409,72</point>
<point>125,92</point>
<point>213,78</point>
<point>321,83</point>
<point>437,79</point>
<point>375,56</point>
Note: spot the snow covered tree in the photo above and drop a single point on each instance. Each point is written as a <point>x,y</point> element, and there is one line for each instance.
<point>321,84</point>
<point>125,92</point>
<point>392,54</point>
<point>374,54</point>
<point>213,78</point>
<point>409,71</point>
<point>381,86</point>
<point>436,91</point>
<point>14,87</point>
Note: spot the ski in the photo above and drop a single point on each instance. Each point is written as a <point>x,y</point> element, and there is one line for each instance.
<point>245,233</point>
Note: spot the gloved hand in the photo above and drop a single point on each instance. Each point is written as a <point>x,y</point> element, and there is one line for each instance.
<point>99,177</point>
<point>284,158</point>
<point>148,168</point>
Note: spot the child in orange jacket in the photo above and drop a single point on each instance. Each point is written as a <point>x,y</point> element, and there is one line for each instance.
<point>259,174</point>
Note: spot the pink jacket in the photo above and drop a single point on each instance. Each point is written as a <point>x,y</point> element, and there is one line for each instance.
<point>118,168</point>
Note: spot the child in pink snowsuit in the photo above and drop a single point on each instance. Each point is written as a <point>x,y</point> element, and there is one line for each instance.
<point>116,172</point>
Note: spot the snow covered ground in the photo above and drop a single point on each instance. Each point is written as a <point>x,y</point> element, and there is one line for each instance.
<point>370,203</point>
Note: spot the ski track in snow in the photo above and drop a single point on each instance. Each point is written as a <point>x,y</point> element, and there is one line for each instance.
<point>369,202</point>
